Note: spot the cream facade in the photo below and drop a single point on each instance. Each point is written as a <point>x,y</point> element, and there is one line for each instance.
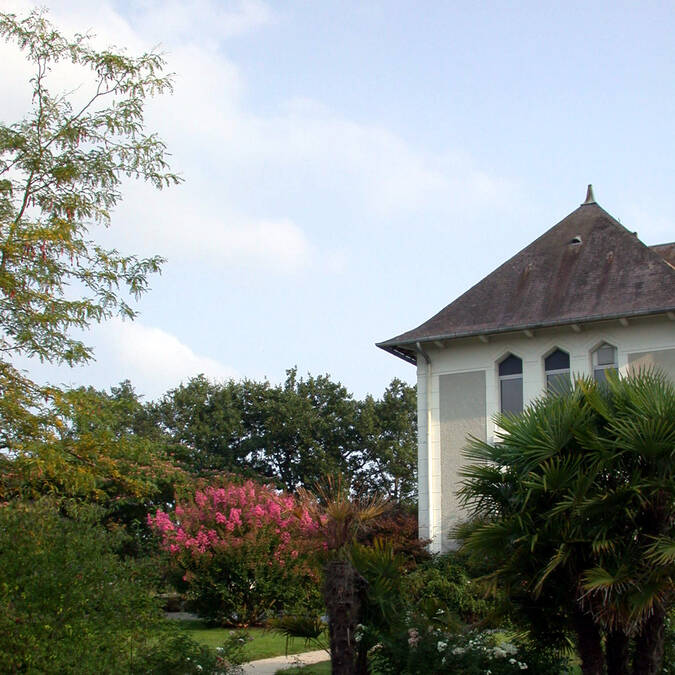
<point>458,393</point>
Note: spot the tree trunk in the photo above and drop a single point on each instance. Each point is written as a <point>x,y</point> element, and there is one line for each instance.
<point>589,644</point>
<point>362,667</point>
<point>617,645</point>
<point>342,594</point>
<point>648,656</point>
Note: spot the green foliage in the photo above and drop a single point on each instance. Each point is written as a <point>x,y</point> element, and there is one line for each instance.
<point>574,507</point>
<point>448,590</point>
<point>97,450</point>
<point>68,604</point>
<point>388,427</point>
<point>172,651</point>
<point>236,590</point>
<point>293,434</point>
<point>419,650</point>
<point>61,168</point>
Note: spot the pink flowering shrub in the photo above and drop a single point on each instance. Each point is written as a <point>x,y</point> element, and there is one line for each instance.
<point>242,551</point>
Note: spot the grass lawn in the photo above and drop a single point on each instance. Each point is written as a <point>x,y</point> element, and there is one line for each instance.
<point>264,644</point>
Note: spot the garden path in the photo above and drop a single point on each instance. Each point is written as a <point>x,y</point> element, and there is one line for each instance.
<point>271,665</point>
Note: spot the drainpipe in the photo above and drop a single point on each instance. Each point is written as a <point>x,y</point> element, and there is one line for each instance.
<point>432,526</point>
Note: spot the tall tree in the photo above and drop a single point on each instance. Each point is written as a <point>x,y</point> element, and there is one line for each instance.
<point>301,431</point>
<point>202,422</point>
<point>61,169</point>
<point>388,428</point>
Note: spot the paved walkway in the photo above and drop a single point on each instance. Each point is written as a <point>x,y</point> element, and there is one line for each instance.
<point>270,666</point>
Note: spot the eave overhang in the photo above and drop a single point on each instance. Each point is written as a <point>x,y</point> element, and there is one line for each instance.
<point>407,350</point>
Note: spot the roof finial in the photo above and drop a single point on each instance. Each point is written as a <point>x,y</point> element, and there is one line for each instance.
<point>590,197</point>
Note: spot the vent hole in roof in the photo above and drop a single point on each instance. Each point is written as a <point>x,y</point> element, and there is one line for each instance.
<point>575,240</point>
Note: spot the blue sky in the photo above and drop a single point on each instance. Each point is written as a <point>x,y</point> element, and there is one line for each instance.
<point>352,167</point>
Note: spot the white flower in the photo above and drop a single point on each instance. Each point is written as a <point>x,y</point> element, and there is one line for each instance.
<point>522,666</point>
<point>513,662</point>
<point>441,645</point>
<point>458,650</point>
<point>499,652</point>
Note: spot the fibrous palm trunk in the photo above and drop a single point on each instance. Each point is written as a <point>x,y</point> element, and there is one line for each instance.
<point>342,593</point>
<point>617,645</point>
<point>648,656</point>
<point>589,644</point>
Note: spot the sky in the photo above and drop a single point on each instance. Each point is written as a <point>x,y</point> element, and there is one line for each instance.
<point>352,167</point>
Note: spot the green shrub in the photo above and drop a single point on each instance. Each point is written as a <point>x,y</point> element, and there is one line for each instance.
<point>68,604</point>
<point>446,587</point>
<point>420,650</point>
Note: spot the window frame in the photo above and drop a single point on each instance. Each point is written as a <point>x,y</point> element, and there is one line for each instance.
<point>510,377</point>
<point>557,371</point>
<point>595,366</point>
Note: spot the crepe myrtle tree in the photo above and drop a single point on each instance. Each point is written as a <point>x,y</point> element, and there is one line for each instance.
<point>61,169</point>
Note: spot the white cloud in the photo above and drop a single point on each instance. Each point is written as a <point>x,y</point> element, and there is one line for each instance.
<point>200,20</point>
<point>249,176</point>
<point>158,359</point>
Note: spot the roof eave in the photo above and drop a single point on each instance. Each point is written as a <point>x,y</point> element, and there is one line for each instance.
<point>392,345</point>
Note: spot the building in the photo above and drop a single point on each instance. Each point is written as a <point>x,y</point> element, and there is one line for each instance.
<point>586,296</point>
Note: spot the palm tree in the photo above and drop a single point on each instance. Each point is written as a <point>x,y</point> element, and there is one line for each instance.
<point>632,505</point>
<point>575,504</point>
<point>342,517</point>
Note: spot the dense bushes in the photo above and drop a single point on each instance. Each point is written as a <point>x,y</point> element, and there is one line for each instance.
<point>421,650</point>
<point>68,604</point>
<point>435,619</point>
<point>448,584</point>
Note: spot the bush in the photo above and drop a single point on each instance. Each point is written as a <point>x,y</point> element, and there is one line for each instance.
<point>241,552</point>
<point>399,528</point>
<point>420,650</point>
<point>447,585</point>
<point>174,652</point>
<point>68,604</point>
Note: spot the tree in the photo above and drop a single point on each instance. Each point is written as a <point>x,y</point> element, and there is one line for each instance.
<point>388,427</point>
<point>242,550</point>
<point>575,507</point>
<point>61,169</point>
<point>301,431</point>
<point>340,519</point>
<point>202,423</point>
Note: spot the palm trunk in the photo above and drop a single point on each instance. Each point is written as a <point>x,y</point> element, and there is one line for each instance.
<point>617,645</point>
<point>342,591</point>
<point>648,656</point>
<point>589,644</point>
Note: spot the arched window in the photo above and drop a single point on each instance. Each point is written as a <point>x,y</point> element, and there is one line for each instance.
<point>557,367</point>
<point>604,359</point>
<point>511,384</point>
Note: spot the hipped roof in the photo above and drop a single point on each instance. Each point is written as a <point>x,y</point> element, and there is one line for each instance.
<point>588,267</point>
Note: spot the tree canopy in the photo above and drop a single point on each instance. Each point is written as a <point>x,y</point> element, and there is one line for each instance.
<point>61,169</point>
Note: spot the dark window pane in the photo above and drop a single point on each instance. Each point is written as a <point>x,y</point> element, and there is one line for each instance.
<point>512,395</point>
<point>559,360</point>
<point>606,355</point>
<point>511,365</point>
<point>558,383</point>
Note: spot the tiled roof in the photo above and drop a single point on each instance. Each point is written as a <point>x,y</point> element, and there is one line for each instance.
<point>588,267</point>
